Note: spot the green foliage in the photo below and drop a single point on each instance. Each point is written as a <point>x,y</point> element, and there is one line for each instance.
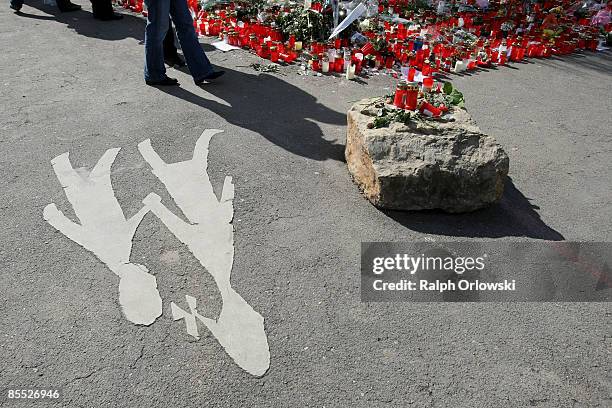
<point>387,117</point>
<point>447,88</point>
<point>271,68</point>
<point>306,25</point>
<point>452,95</point>
<point>382,121</point>
<point>403,116</point>
<point>249,9</point>
<point>210,4</point>
<point>380,44</point>
<point>416,6</point>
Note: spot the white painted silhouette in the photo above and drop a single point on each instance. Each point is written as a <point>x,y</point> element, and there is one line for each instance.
<point>105,232</point>
<point>210,237</point>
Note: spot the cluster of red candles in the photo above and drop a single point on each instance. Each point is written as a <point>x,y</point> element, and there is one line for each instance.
<point>420,50</point>
<point>137,6</point>
<point>265,40</point>
<point>408,96</point>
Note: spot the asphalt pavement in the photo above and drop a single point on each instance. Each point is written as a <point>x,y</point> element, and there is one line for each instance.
<point>73,84</point>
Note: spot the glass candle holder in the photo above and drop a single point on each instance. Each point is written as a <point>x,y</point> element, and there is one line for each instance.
<point>459,66</point>
<point>274,54</point>
<point>399,99</point>
<point>331,56</point>
<point>350,71</point>
<point>430,110</point>
<point>325,64</point>
<point>412,95</point>
<point>338,64</point>
<point>389,62</point>
<point>346,57</point>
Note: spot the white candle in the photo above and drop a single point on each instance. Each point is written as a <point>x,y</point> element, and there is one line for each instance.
<point>350,72</point>
<point>325,66</point>
<point>331,54</point>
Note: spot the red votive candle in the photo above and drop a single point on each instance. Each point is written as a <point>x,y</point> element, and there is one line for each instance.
<point>400,95</point>
<point>412,94</point>
<point>273,54</point>
<point>428,109</point>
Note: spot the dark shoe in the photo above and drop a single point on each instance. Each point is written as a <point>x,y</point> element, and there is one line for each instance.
<point>167,81</point>
<point>66,6</point>
<point>108,17</point>
<point>16,5</point>
<point>209,77</point>
<point>175,61</point>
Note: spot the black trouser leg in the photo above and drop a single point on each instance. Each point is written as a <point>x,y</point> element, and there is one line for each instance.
<point>170,50</point>
<point>101,8</point>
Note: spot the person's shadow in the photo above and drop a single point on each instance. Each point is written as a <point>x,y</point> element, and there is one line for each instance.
<point>513,216</point>
<point>83,23</point>
<point>273,108</point>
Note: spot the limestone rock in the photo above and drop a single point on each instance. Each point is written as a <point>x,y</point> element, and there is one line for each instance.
<point>446,164</point>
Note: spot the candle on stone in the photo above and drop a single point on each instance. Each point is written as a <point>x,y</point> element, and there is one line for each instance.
<point>399,99</point>
<point>430,110</point>
<point>412,95</point>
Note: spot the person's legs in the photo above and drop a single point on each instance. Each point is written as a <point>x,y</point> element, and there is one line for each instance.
<point>16,4</point>
<point>103,10</point>
<point>66,5</point>
<point>171,56</point>
<point>198,63</point>
<point>170,50</point>
<point>157,25</point>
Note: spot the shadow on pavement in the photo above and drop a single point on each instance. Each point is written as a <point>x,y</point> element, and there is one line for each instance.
<point>595,61</point>
<point>83,23</point>
<point>277,110</point>
<point>513,216</point>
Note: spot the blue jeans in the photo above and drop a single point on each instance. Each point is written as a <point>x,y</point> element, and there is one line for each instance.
<point>158,21</point>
